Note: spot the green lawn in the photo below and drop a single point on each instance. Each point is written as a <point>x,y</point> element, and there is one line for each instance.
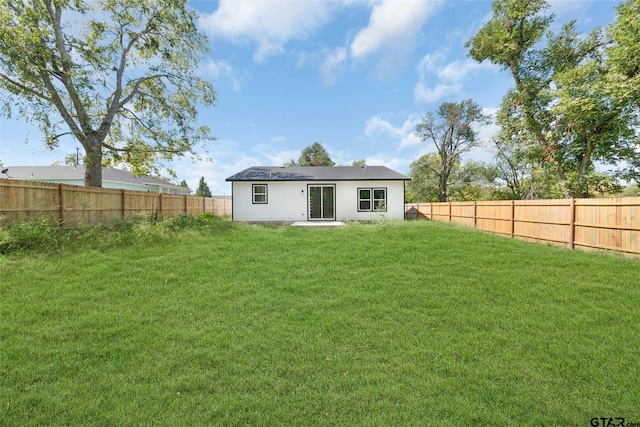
<point>413,323</point>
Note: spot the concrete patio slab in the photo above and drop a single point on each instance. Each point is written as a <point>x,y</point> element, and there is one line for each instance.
<point>317,224</point>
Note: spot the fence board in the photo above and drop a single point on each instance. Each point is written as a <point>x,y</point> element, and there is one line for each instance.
<point>612,224</point>
<point>219,207</point>
<point>494,216</point>
<point>71,206</point>
<point>463,213</point>
<point>31,200</point>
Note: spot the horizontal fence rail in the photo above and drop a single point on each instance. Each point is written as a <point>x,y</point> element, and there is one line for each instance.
<point>611,224</point>
<point>70,205</point>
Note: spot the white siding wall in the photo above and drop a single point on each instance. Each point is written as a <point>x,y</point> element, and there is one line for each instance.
<point>287,201</point>
<point>347,200</point>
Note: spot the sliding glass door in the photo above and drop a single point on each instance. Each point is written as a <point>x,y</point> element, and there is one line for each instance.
<point>322,202</point>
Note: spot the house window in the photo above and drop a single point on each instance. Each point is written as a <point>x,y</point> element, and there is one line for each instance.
<point>259,193</point>
<point>372,199</point>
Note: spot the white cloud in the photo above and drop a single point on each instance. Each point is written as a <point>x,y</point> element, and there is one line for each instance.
<point>279,139</point>
<point>403,135</point>
<point>449,77</point>
<point>279,158</point>
<point>224,70</point>
<point>399,164</point>
<point>377,125</point>
<point>429,63</point>
<point>425,94</point>
<point>393,25</point>
<point>270,24</point>
<point>331,65</point>
<point>273,157</point>
<point>411,140</point>
<point>457,71</point>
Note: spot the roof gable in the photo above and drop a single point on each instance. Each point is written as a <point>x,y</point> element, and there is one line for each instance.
<point>318,173</point>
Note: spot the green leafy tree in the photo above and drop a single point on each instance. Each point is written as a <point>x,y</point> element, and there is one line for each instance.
<point>121,79</point>
<point>203,189</point>
<point>518,161</point>
<point>631,190</point>
<point>468,181</point>
<point>424,185</point>
<point>474,181</point>
<point>513,168</point>
<point>559,97</point>
<point>451,130</point>
<point>184,184</point>
<point>623,54</point>
<point>72,159</point>
<point>360,162</point>
<point>314,155</point>
<point>623,76</point>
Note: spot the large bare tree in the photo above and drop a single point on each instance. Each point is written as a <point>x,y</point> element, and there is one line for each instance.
<point>451,129</point>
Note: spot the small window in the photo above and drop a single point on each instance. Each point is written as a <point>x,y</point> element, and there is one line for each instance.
<point>260,193</point>
<point>364,199</point>
<point>379,199</point>
<point>372,199</point>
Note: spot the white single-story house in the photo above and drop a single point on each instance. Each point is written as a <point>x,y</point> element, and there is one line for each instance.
<point>317,193</point>
<point>74,175</point>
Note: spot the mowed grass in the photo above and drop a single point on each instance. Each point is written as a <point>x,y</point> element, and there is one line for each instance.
<point>413,323</point>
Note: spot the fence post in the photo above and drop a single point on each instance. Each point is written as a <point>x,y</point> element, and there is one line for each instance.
<point>186,205</point>
<point>513,218</point>
<point>475,214</point>
<point>449,211</point>
<point>572,223</point>
<point>123,209</point>
<point>61,197</point>
<point>160,208</point>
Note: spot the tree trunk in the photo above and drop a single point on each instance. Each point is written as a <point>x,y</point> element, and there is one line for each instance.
<point>585,162</point>
<point>443,189</point>
<point>93,162</point>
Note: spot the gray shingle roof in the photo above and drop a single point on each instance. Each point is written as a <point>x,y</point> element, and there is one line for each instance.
<point>318,173</point>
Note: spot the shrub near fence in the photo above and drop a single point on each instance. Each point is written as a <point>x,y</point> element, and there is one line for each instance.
<point>71,205</point>
<point>612,224</point>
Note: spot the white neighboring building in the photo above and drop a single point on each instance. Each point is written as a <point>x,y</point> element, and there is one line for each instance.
<point>111,178</point>
<point>317,193</point>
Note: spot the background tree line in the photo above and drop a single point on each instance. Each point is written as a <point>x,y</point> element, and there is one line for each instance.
<point>568,126</point>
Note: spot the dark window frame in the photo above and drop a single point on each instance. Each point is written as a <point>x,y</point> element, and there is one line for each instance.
<point>373,202</point>
<point>254,194</point>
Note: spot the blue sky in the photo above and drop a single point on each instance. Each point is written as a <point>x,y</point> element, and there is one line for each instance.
<point>355,76</point>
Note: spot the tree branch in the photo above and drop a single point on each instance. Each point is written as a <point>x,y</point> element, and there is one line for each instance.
<point>55,15</point>
<point>27,89</point>
<point>59,104</point>
<point>116,102</point>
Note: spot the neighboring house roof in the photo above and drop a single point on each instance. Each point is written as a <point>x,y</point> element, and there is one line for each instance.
<point>318,173</point>
<point>77,173</point>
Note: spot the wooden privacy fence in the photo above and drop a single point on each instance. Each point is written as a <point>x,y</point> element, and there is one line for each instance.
<point>612,224</point>
<point>71,205</point>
